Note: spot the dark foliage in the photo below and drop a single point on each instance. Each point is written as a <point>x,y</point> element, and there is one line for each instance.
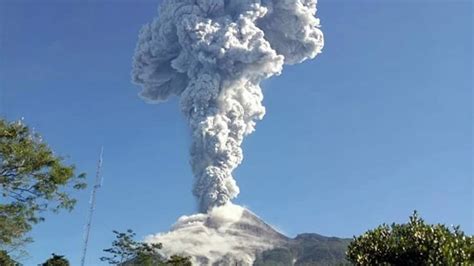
<point>5,259</point>
<point>414,243</point>
<point>56,260</point>
<point>126,251</point>
<point>32,180</point>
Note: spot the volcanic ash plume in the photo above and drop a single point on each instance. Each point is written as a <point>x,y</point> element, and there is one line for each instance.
<point>213,55</point>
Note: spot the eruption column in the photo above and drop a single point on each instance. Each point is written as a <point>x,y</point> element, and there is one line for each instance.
<point>213,54</point>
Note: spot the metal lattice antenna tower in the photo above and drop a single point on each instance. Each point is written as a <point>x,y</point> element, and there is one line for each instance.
<point>97,185</point>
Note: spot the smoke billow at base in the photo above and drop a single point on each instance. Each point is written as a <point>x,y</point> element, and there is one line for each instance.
<point>226,235</point>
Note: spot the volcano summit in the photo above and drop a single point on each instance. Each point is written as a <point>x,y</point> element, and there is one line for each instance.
<point>232,235</point>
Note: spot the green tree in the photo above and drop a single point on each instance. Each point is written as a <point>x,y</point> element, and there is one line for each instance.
<point>413,243</point>
<point>56,260</point>
<point>126,251</point>
<point>176,260</point>
<point>32,180</point>
<point>6,260</point>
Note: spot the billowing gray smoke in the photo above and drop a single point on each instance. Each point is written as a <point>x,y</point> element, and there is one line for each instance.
<point>213,55</point>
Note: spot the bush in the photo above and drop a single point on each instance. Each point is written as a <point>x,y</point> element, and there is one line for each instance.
<point>414,243</point>
<point>6,260</point>
<point>56,260</point>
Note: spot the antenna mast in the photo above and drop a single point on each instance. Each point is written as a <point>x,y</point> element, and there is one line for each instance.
<point>97,185</point>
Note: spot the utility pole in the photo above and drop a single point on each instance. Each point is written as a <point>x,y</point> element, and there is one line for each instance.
<point>97,185</point>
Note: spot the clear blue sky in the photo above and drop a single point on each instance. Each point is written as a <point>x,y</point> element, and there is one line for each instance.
<point>378,125</point>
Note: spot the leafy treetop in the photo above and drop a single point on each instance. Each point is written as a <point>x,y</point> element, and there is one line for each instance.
<point>126,251</point>
<point>6,260</point>
<point>32,180</point>
<point>414,243</point>
<point>56,260</point>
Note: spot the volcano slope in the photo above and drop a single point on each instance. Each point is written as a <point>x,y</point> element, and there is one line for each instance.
<point>233,235</point>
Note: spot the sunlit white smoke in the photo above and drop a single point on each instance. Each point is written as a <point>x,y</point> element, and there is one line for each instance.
<point>226,235</point>
<point>213,54</point>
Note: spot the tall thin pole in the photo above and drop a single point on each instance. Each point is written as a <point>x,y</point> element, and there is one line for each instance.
<point>98,183</point>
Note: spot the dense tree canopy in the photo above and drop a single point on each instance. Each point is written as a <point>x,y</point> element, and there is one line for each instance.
<point>32,180</point>
<point>176,260</point>
<point>56,260</point>
<point>6,260</point>
<point>414,243</point>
